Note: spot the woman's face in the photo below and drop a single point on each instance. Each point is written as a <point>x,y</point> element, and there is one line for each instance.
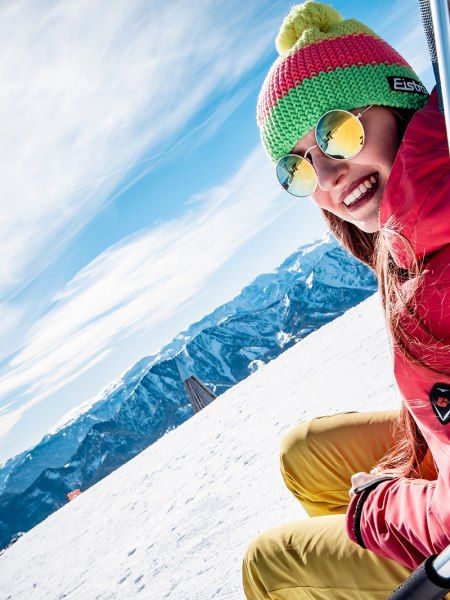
<point>339,180</point>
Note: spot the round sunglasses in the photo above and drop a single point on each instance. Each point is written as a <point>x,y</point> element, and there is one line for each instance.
<point>339,134</point>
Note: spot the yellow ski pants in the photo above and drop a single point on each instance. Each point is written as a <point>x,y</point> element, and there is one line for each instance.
<point>313,559</point>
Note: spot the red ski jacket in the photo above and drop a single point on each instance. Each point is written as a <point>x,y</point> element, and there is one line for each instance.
<point>403,519</point>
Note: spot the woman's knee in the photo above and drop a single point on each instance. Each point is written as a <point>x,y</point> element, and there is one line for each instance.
<point>272,561</point>
<point>293,443</point>
<point>297,450</point>
<point>308,558</point>
<point>314,465</point>
<point>255,566</point>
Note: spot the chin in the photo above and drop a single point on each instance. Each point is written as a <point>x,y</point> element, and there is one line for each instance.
<point>367,227</point>
<point>370,223</point>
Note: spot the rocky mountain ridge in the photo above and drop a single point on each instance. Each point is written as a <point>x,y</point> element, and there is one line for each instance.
<point>313,286</point>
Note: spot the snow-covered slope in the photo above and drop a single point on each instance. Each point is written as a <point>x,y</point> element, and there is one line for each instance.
<point>313,286</point>
<point>174,521</point>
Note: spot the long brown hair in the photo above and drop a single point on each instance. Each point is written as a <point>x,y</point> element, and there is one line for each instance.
<point>409,446</point>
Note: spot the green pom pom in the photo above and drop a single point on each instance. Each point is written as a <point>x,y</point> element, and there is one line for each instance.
<point>302,17</point>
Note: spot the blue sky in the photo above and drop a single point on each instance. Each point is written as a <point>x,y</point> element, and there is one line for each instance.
<point>136,196</point>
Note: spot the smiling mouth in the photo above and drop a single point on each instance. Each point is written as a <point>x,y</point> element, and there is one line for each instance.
<point>362,191</point>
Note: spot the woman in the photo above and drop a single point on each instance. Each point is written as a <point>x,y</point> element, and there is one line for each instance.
<point>348,122</point>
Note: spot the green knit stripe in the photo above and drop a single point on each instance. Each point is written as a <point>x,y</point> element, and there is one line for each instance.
<point>298,112</point>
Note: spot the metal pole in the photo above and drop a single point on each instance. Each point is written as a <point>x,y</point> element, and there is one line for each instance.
<point>429,581</point>
<point>440,14</point>
<point>441,563</point>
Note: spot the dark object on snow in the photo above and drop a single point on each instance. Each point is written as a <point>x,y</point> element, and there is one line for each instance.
<point>199,395</point>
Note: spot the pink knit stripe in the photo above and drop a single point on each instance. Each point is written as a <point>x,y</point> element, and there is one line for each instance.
<point>361,50</point>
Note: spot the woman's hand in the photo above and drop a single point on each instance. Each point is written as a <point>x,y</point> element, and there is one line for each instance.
<point>359,479</point>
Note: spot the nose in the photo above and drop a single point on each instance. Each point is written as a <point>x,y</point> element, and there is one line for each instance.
<point>330,172</point>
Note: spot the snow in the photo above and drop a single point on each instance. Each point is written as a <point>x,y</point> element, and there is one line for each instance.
<point>254,365</point>
<point>75,413</point>
<point>175,521</point>
<point>283,338</point>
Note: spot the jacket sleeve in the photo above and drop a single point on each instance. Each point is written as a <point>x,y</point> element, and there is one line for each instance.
<point>401,519</point>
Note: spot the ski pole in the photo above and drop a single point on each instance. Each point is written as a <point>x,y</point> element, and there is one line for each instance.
<point>430,581</point>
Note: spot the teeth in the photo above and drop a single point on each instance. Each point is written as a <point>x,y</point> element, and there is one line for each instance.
<point>360,190</point>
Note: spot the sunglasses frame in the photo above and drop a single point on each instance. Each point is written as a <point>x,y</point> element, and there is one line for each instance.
<point>357,116</point>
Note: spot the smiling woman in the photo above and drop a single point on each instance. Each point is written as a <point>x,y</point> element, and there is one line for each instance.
<point>349,123</point>
<point>352,189</point>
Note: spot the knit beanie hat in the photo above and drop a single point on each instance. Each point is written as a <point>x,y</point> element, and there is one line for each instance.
<point>327,62</point>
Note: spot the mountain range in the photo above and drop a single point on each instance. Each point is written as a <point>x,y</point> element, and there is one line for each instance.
<point>174,522</point>
<point>314,285</point>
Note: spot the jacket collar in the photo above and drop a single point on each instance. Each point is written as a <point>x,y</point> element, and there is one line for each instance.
<point>418,184</point>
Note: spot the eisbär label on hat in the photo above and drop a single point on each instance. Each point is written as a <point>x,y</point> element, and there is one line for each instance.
<point>406,84</point>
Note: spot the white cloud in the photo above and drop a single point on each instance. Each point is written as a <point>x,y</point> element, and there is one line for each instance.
<point>414,48</point>
<point>8,421</point>
<point>403,29</point>
<point>143,281</point>
<point>399,11</point>
<point>10,316</point>
<point>92,86</point>
<point>88,87</point>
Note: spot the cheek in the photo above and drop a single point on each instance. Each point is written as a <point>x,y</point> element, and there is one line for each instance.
<point>378,159</point>
<point>382,143</point>
<point>321,199</point>
<point>324,201</point>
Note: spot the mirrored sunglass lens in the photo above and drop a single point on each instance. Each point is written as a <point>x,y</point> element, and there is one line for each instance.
<point>340,134</point>
<point>296,175</point>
